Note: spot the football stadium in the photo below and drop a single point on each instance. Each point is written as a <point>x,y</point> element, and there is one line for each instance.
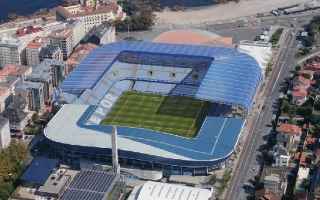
<point>177,107</point>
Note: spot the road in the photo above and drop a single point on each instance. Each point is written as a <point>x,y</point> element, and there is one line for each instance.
<point>261,118</point>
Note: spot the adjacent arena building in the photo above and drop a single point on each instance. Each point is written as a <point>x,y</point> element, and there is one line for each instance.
<point>223,79</point>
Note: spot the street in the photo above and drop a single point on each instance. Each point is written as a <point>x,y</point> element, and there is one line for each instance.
<point>248,164</point>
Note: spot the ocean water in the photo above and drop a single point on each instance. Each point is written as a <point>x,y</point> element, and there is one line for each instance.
<point>27,7</point>
<point>24,7</point>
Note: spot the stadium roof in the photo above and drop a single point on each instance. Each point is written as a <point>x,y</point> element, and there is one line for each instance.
<point>232,77</point>
<point>215,140</point>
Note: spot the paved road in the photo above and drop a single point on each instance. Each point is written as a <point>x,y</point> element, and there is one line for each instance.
<point>244,170</point>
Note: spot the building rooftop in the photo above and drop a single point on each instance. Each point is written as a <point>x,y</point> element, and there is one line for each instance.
<point>27,30</point>
<point>61,34</point>
<point>300,92</point>
<point>90,185</point>
<point>14,70</point>
<point>289,129</point>
<point>39,170</point>
<point>57,182</point>
<point>165,191</point>
<point>37,43</point>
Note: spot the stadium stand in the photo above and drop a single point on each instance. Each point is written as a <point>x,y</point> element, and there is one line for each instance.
<point>222,77</point>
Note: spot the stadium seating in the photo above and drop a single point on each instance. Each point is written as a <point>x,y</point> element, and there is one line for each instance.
<point>184,90</point>
<point>105,105</point>
<point>160,88</point>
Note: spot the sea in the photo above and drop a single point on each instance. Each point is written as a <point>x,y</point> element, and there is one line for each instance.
<point>24,7</point>
<point>27,7</point>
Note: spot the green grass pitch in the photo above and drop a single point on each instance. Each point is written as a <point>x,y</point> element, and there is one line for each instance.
<point>177,115</point>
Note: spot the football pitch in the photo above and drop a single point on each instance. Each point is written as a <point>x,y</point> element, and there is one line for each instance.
<point>176,115</point>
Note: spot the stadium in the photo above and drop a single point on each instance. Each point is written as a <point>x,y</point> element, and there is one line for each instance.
<point>178,107</point>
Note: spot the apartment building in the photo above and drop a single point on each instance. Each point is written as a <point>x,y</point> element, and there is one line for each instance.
<point>91,14</point>
<point>12,51</point>
<point>33,51</point>
<point>63,40</point>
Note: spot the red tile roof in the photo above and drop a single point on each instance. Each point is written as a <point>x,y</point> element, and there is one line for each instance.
<point>289,129</point>
<point>299,92</point>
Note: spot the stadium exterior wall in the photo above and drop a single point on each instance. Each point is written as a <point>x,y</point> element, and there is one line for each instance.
<point>72,154</point>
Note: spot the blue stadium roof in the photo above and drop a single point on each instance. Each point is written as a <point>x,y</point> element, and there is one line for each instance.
<point>232,77</point>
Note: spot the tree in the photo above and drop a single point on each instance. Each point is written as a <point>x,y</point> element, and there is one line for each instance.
<point>285,106</point>
<point>140,15</point>
<point>11,166</point>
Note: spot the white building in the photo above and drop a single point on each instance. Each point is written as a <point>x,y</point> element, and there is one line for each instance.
<point>33,51</point>
<point>94,15</point>
<point>68,37</point>
<point>78,31</point>
<point>5,138</point>
<point>165,191</point>
<point>11,51</point>
<point>302,179</point>
<point>261,51</point>
<point>62,39</point>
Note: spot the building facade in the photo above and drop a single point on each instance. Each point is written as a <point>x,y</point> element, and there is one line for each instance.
<point>62,39</point>
<point>5,138</point>
<point>91,14</point>
<point>11,51</point>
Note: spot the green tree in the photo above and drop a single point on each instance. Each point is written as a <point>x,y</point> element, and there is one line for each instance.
<point>140,15</point>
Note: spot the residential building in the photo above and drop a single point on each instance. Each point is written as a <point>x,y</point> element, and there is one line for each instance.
<point>301,85</point>
<point>267,195</point>
<point>33,51</point>
<point>289,135</point>
<point>62,39</point>
<point>5,138</point>
<point>275,179</point>
<point>49,74</point>
<point>34,94</point>
<point>302,180</point>
<point>299,96</point>
<point>51,52</point>
<point>102,34</point>
<point>10,75</point>
<point>18,118</point>
<point>78,31</point>
<point>281,156</point>
<point>12,51</point>
<point>92,15</point>
<point>7,88</point>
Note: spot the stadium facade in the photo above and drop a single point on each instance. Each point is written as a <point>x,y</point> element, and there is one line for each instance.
<point>225,77</point>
